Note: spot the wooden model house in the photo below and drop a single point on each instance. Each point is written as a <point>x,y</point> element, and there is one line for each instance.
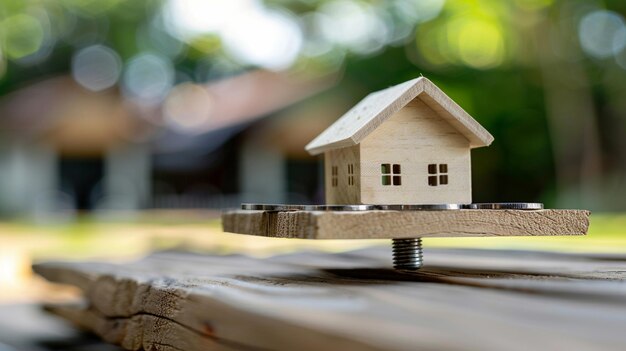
<point>408,144</point>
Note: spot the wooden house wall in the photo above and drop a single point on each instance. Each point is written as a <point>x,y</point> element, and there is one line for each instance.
<point>344,189</point>
<point>414,138</point>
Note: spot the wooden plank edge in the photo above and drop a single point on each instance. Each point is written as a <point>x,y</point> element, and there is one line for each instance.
<point>134,332</point>
<point>189,321</point>
<point>406,224</point>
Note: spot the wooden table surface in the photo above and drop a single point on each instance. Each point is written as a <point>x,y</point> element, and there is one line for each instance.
<point>460,300</point>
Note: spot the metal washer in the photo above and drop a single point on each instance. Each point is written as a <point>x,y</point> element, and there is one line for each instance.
<point>278,207</point>
<point>423,207</point>
<point>282,207</point>
<point>431,207</point>
<point>506,206</point>
<point>340,208</point>
<point>271,207</point>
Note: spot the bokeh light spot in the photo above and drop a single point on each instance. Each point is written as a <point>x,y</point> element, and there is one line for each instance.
<point>96,67</point>
<point>148,78</point>
<point>475,42</point>
<point>188,107</point>
<point>22,35</point>
<point>602,33</point>
<point>432,45</point>
<point>480,44</point>
<point>354,25</point>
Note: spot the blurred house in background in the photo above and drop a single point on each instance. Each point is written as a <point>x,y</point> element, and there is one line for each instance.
<point>250,145</point>
<point>65,147</point>
<point>180,103</point>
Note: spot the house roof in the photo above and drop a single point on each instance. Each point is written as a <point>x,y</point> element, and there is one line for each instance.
<point>74,120</point>
<point>255,94</point>
<point>377,107</point>
<point>234,103</point>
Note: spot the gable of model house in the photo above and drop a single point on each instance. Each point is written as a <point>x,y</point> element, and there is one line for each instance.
<point>406,144</point>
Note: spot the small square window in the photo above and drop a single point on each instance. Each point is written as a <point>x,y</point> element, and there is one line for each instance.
<point>397,180</point>
<point>334,171</point>
<point>437,174</point>
<point>391,174</point>
<point>432,180</point>
<point>350,174</point>
<point>443,179</point>
<point>386,180</point>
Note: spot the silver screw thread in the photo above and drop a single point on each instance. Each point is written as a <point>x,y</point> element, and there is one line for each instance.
<point>407,254</point>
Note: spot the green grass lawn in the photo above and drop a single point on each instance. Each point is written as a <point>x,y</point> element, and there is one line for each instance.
<point>90,237</point>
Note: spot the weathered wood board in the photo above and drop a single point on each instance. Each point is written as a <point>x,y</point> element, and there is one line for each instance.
<point>460,300</point>
<point>405,224</point>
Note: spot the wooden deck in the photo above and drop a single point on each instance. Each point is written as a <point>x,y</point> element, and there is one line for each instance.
<point>461,300</point>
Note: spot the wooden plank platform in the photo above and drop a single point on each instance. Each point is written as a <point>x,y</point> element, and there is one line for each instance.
<point>460,300</point>
<point>405,224</point>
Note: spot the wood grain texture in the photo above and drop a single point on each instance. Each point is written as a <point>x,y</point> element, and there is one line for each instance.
<point>406,224</point>
<point>460,300</point>
<point>376,108</point>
